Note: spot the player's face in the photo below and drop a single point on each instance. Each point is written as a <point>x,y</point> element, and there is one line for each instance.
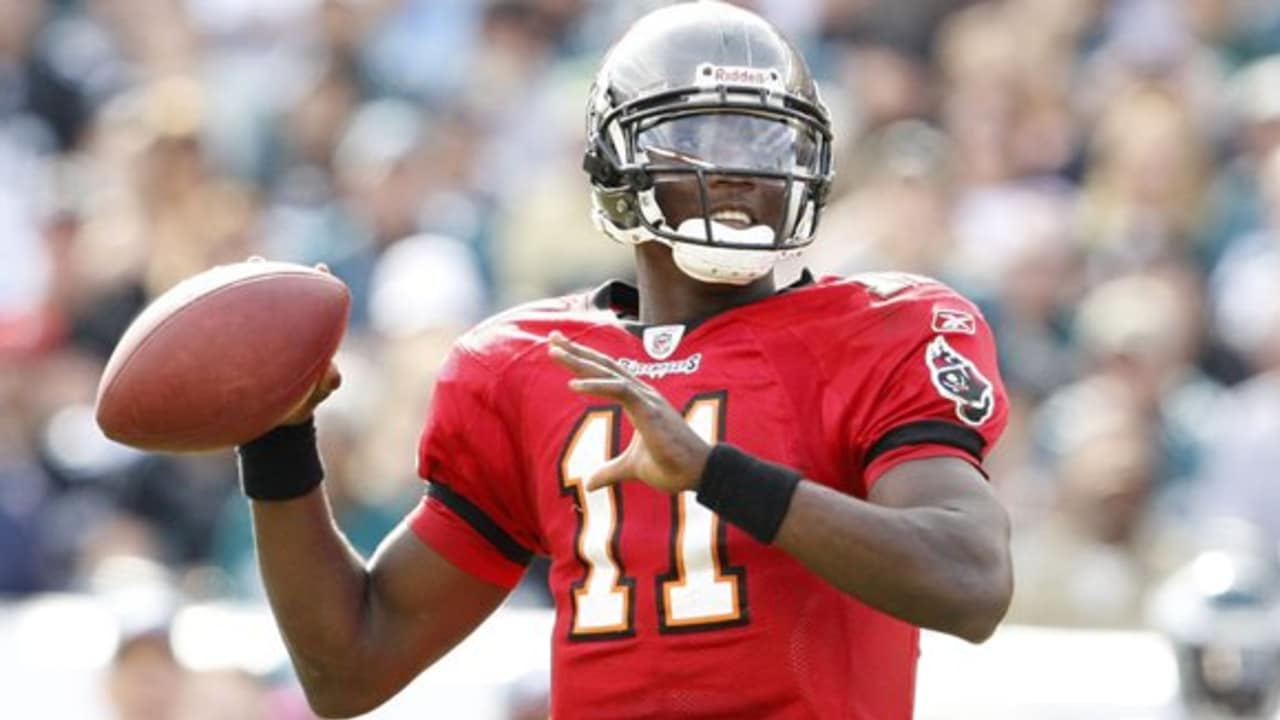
<point>739,202</point>
<point>718,141</point>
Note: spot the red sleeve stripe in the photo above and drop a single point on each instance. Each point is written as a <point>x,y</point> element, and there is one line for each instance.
<point>928,432</point>
<point>481,523</point>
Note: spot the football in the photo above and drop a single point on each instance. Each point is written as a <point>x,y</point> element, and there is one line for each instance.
<point>222,357</point>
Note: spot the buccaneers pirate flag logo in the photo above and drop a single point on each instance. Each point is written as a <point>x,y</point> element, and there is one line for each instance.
<point>959,380</point>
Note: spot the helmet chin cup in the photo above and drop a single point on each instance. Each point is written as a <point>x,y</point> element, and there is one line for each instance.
<point>730,266</point>
<point>725,266</point>
<point>707,263</point>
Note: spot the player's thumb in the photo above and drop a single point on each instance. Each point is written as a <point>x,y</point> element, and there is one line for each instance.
<point>611,473</point>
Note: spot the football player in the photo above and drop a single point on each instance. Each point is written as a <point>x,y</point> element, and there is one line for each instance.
<point>751,496</point>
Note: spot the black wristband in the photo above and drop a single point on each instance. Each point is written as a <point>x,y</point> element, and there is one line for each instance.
<point>282,465</point>
<point>747,491</point>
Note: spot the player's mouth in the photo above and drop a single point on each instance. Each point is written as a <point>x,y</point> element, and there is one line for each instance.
<point>733,217</point>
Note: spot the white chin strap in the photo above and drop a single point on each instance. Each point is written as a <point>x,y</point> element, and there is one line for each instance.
<point>729,266</point>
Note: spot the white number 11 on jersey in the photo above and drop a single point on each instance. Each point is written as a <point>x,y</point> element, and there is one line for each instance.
<point>699,592</point>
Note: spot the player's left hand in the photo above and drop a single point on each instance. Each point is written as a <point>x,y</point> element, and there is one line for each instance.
<point>664,452</point>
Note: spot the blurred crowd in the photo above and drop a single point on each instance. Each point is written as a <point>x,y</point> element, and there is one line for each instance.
<point>1103,177</point>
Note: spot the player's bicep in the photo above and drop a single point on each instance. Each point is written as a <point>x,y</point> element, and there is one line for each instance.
<point>948,484</point>
<point>953,512</point>
<point>935,481</point>
<point>420,606</point>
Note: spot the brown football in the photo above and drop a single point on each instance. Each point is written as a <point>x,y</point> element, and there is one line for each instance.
<point>222,357</point>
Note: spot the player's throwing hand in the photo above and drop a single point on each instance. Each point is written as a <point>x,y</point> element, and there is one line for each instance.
<point>664,452</point>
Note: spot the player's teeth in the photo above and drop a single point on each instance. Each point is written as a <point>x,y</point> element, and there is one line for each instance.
<point>731,216</point>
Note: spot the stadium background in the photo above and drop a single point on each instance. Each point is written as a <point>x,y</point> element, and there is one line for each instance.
<point>1103,177</point>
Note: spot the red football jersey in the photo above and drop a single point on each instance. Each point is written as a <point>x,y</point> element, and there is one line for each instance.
<point>663,610</point>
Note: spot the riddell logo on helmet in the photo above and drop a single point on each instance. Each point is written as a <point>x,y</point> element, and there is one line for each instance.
<point>709,74</point>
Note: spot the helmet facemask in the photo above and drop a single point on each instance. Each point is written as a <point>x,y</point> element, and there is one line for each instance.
<point>731,177</point>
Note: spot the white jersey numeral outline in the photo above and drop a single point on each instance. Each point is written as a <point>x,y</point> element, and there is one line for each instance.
<point>603,600</point>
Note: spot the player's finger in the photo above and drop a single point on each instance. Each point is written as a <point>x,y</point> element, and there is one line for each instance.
<point>580,366</point>
<point>332,379</point>
<point>588,353</point>
<point>618,389</point>
<point>596,356</point>
<point>611,473</point>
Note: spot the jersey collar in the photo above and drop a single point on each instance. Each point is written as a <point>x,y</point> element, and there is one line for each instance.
<point>623,299</point>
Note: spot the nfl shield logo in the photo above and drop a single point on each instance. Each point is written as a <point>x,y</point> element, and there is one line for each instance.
<point>661,341</point>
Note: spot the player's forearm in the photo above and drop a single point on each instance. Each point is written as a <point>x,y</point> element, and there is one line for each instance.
<point>316,583</point>
<point>935,567</point>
